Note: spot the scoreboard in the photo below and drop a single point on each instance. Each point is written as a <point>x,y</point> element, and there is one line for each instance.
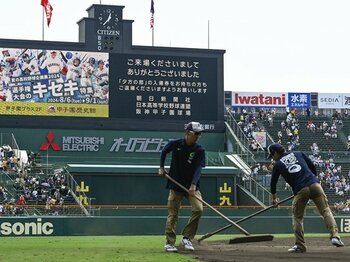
<point>104,82</point>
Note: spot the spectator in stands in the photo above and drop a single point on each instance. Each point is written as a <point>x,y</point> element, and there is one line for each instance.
<point>335,116</point>
<point>290,135</point>
<point>311,126</point>
<point>340,123</point>
<point>300,173</point>
<point>296,135</point>
<point>287,110</point>
<point>270,119</point>
<point>255,170</point>
<point>345,113</point>
<point>7,150</point>
<point>283,125</point>
<point>241,118</point>
<point>188,158</point>
<point>289,119</point>
<point>3,194</point>
<point>253,145</point>
<point>280,135</point>
<point>21,200</point>
<point>289,147</point>
<point>308,112</point>
<point>327,134</point>
<point>261,113</point>
<point>319,128</point>
<point>333,131</point>
<point>324,126</point>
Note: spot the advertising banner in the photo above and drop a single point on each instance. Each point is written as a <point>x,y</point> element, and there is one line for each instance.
<point>54,83</point>
<point>259,99</point>
<point>164,87</point>
<point>260,137</point>
<point>333,100</point>
<point>299,100</point>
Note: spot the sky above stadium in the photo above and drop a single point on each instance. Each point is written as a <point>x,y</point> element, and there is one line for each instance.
<point>271,45</point>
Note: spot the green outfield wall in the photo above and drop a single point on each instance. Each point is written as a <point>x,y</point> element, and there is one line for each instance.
<point>141,185</point>
<point>151,222</point>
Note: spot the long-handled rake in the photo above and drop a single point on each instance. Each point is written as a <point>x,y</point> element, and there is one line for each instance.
<point>207,235</point>
<point>246,239</point>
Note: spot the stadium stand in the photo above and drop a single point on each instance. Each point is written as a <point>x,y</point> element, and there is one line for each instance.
<point>330,152</point>
<point>31,188</point>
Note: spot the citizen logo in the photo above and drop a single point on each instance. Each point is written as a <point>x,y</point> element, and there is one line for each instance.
<point>108,32</point>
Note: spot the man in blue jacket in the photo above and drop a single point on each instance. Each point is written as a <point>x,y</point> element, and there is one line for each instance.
<point>187,161</point>
<point>300,173</point>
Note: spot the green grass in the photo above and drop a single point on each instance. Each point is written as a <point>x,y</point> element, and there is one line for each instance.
<point>96,249</point>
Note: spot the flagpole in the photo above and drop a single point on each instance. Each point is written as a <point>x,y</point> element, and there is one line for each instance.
<point>152,21</point>
<point>208,33</point>
<point>43,25</point>
<point>153,36</point>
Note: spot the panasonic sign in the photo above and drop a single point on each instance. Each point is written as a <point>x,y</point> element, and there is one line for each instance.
<point>26,229</point>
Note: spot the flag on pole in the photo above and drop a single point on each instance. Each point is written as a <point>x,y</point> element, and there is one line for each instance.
<point>48,10</point>
<point>152,15</point>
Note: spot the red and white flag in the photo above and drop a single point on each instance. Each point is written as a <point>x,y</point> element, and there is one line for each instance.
<point>151,22</point>
<point>48,10</point>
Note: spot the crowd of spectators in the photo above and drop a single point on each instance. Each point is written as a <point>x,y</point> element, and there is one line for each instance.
<point>334,178</point>
<point>248,124</point>
<point>290,129</point>
<point>342,206</point>
<point>329,129</point>
<point>29,187</point>
<point>8,159</point>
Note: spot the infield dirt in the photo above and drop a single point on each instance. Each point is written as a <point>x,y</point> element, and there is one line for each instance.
<point>318,249</point>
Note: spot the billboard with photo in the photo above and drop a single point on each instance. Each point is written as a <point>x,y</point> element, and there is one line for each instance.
<point>110,90</point>
<point>54,83</point>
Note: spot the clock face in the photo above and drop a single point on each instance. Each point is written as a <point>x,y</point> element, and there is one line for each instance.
<point>108,19</point>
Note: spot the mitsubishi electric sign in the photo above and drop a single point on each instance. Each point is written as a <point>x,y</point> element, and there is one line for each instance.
<point>72,143</point>
<point>82,143</point>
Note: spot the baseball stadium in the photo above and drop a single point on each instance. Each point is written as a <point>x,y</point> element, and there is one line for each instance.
<point>83,127</point>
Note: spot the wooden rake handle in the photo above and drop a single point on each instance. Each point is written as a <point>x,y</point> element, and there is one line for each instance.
<point>243,219</point>
<point>211,207</point>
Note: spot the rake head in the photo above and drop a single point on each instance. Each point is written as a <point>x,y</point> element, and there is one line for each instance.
<point>248,239</point>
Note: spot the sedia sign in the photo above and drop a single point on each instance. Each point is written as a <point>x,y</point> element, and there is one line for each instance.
<point>26,229</point>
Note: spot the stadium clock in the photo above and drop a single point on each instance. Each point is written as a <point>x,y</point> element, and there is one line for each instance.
<point>108,19</point>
